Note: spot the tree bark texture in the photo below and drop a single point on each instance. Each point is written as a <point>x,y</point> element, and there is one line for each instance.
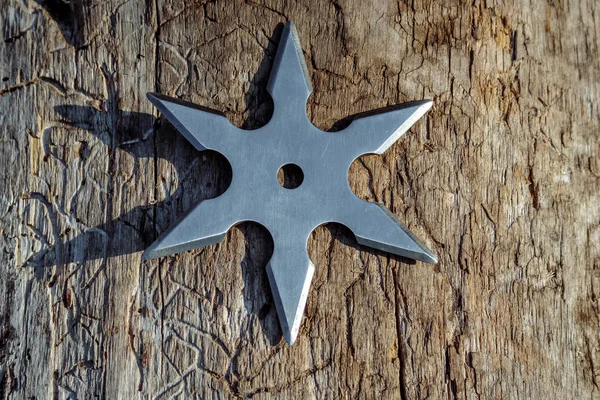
<point>500,179</point>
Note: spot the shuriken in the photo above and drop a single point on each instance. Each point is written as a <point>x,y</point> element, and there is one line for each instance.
<point>290,215</point>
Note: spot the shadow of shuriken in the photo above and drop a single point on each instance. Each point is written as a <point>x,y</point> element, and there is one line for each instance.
<point>134,230</point>
<point>69,17</point>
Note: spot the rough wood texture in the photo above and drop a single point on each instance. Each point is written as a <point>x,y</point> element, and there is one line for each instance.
<point>500,180</point>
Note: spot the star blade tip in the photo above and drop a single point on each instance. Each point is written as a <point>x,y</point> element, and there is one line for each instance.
<point>157,99</point>
<point>289,73</point>
<point>421,253</point>
<point>147,255</point>
<point>381,230</point>
<point>290,335</point>
<point>290,300</point>
<point>420,108</point>
<point>427,104</point>
<point>289,25</point>
<point>427,256</point>
<point>290,31</point>
<point>290,331</point>
<point>154,251</point>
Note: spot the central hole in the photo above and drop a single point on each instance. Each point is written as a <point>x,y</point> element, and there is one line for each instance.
<point>290,176</point>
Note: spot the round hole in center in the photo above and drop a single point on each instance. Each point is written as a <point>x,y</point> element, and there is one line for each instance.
<point>290,176</point>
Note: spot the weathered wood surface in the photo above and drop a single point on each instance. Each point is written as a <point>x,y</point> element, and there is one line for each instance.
<point>500,180</point>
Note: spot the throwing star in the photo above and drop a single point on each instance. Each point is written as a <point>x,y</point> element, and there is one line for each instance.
<point>290,215</point>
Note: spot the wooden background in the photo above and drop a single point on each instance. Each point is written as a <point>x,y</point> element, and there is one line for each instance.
<point>500,180</point>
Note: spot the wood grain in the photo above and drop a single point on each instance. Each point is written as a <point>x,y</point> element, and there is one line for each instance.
<point>500,180</point>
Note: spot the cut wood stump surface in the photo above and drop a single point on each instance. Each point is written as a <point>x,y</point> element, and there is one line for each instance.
<point>500,179</point>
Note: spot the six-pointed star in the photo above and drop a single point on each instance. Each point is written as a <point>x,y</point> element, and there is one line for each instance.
<point>290,215</point>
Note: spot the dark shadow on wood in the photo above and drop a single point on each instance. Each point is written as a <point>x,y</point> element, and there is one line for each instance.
<point>258,299</point>
<point>344,235</point>
<point>259,104</point>
<point>212,179</point>
<point>69,17</point>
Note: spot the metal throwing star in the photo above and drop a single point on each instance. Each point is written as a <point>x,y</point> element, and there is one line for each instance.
<point>290,215</point>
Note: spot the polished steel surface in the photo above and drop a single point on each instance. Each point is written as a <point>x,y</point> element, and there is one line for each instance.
<point>290,215</point>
